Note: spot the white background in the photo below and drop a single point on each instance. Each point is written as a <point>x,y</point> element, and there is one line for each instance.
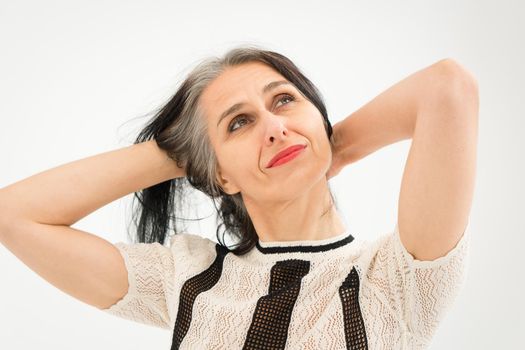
<point>73,75</point>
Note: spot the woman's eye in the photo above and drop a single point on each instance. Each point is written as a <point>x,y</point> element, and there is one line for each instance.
<point>243,117</point>
<point>285,97</point>
<point>234,121</point>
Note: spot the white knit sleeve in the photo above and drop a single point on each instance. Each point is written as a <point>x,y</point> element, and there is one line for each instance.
<point>151,272</point>
<point>420,291</point>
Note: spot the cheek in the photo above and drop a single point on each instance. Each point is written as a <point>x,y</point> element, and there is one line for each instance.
<point>237,162</point>
<point>321,137</point>
<point>314,126</point>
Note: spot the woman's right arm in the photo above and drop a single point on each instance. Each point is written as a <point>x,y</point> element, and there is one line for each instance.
<point>36,214</point>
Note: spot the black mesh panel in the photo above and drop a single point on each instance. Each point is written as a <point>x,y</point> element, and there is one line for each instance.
<point>271,319</point>
<point>189,292</point>
<point>355,333</point>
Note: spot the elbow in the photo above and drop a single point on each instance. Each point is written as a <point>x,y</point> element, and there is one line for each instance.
<point>4,220</point>
<point>453,85</point>
<point>455,79</point>
<point>3,213</point>
<point>8,217</point>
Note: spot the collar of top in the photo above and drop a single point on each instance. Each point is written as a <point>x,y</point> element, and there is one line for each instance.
<point>305,246</point>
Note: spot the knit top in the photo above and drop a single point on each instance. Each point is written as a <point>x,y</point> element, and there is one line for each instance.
<point>335,293</point>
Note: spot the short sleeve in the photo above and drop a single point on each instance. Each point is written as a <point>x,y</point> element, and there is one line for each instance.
<point>420,292</point>
<point>151,272</point>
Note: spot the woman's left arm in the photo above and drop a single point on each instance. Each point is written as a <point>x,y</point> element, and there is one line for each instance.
<point>438,108</point>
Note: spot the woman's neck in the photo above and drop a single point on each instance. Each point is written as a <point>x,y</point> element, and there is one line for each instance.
<point>312,216</point>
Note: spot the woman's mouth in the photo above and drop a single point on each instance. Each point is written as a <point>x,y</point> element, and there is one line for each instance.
<point>296,151</point>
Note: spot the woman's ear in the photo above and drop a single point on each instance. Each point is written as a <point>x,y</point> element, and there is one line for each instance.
<point>227,186</point>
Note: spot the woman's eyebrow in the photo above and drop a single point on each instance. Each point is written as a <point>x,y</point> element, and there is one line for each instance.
<point>267,88</point>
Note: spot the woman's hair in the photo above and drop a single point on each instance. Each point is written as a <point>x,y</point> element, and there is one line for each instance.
<point>179,128</point>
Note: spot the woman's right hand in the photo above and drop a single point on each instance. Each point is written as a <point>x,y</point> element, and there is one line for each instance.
<point>171,168</point>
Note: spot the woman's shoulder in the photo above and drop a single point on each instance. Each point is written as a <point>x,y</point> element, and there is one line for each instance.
<point>193,250</point>
<point>191,243</point>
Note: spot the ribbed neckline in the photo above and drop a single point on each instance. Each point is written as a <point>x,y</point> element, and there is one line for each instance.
<point>306,246</point>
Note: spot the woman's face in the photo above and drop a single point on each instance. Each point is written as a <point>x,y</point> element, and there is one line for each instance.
<point>268,121</point>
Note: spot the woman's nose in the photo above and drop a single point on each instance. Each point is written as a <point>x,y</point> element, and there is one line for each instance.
<point>275,128</point>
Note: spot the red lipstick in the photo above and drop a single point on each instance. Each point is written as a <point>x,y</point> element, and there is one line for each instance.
<point>285,155</point>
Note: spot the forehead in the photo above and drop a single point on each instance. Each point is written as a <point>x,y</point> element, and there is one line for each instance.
<point>235,85</point>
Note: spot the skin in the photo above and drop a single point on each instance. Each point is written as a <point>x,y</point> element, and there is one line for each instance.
<point>288,202</point>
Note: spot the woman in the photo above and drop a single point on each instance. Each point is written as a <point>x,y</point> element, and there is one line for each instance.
<point>252,132</point>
